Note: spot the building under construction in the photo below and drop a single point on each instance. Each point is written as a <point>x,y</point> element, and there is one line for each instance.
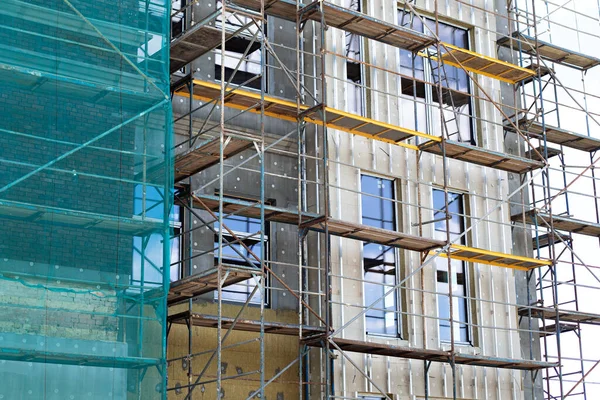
<point>274,199</point>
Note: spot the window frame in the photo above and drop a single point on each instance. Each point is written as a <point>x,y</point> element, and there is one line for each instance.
<point>180,14</point>
<point>236,56</point>
<point>357,87</point>
<point>466,267</point>
<point>398,317</point>
<point>429,91</point>
<point>178,228</point>
<point>248,282</point>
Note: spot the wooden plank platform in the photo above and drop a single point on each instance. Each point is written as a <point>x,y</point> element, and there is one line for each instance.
<point>560,223</point>
<point>206,154</point>
<point>370,234</point>
<point>548,51</point>
<point>542,70</point>
<point>249,209</point>
<point>313,222</point>
<point>82,360</point>
<point>557,135</point>
<point>484,157</point>
<point>563,315</point>
<point>549,330</point>
<point>481,256</point>
<point>205,282</point>
<point>279,108</point>
<point>483,65</point>
<point>349,20</point>
<point>246,325</point>
<point>535,155</point>
<point>195,42</point>
<point>544,240</point>
<point>380,349</point>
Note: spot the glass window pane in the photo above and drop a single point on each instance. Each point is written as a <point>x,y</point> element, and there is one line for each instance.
<point>459,277</point>
<point>238,251</point>
<point>379,261</point>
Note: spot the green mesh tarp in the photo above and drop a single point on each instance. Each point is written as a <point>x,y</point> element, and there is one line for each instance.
<point>85,194</point>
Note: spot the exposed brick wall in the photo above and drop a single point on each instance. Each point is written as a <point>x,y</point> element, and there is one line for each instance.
<point>78,313</point>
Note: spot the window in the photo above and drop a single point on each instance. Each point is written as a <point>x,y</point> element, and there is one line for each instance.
<point>453,217</point>
<point>248,67</point>
<point>176,220</point>
<point>457,105</point>
<point>371,397</point>
<point>379,262</point>
<point>247,231</point>
<point>354,70</point>
<point>147,251</point>
<point>177,17</point>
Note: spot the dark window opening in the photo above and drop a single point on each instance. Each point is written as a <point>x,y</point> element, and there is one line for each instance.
<point>354,68</point>
<point>178,14</point>
<point>239,69</point>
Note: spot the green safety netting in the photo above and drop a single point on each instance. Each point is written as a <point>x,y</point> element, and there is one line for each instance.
<point>85,196</point>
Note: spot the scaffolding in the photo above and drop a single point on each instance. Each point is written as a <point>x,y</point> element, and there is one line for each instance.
<point>234,121</point>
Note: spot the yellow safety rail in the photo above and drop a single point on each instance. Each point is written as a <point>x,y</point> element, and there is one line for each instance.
<point>481,256</point>
<point>482,65</point>
<point>286,110</point>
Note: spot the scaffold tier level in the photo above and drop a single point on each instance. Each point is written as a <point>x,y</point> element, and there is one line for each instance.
<point>134,225</point>
<point>483,65</point>
<point>286,110</point>
<point>552,314</point>
<point>82,360</point>
<point>371,234</point>
<point>540,152</point>
<point>556,135</point>
<point>481,256</point>
<point>317,223</point>
<point>249,209</point>
<point>246,325</point>
<point>346,19</point>
<point>481,156</point>
<point>540,71</point>
<point>95,87</point>
<point>207,154</point>
<point>542,241</point>
<point>195,42</point>
<point>380,349</point>
<point>70,22</point>
<point>207,281</point>
<point>543,220</point>
<point>550,52</point>
<point>549,330</point>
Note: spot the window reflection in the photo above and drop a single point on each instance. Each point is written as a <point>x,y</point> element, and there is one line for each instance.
<point>148,262</point>
<point>457,103</point>
<point>354,70</point>
<point>452,218</point>
<point>379,262</point>
<point>240,251</point>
